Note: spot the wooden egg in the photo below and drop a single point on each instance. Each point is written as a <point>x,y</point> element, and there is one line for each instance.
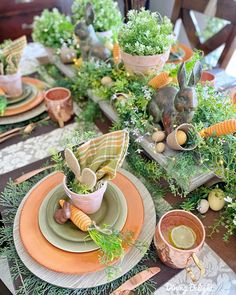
<point>181,137</point>
<point>107,81</point>
<point>216,199</point>
<point>158,136</point>
<point>203,206</point>
<point>160,147</point>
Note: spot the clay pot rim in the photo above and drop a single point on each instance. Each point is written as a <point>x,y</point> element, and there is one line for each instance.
<point>57,88</point>
<point>208,75</point>
<point>144,56</point>
<point>192,250</point>
<point>83,195</point>
<point>175,133</point>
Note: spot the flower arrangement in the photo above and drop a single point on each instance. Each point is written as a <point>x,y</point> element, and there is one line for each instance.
<point>53,29</point>
<point>146,33</point>
<point>107,13</point>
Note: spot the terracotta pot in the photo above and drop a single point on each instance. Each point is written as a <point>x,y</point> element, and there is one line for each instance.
<point>89,203</point>
<point>59,104</point>
<point>11,84</point>
<point>172,138</point>
<point>172,256</point>
<point>144,64</point>
<point>207,77</point>
<point>105,34</point>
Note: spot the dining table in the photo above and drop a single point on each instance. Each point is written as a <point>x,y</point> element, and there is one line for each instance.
<point>21,154</point>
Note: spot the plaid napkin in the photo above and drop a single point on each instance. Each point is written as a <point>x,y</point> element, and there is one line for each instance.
<point>104,154</point>
<point>13,53</point>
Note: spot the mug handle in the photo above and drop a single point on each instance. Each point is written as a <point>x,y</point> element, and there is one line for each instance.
<point>57,114</point>
<point>199,265</point>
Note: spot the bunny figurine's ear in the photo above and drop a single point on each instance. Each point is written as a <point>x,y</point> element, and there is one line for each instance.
<point>196,74</point>
<point>89,14</point>
<point>182,76</point>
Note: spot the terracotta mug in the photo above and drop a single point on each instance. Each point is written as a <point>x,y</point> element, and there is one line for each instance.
<point>59,104</point>
<point>172,256</point>
<point>88,203</point>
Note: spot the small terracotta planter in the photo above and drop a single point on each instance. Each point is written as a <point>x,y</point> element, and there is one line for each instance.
<point>144,64</point>
<point>207,77</point>
<point>89,203</point>
<point>172,138</point>
<point>11,84</point>
<point>172,256</point>
<point>59,104</point>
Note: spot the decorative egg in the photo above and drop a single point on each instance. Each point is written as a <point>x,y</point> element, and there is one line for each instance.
<point>158,136</point>
<point>181,137</point>
<point>160,147</point>
<point>203,206</point>
<point>107,81</point>
<point>216,199</point>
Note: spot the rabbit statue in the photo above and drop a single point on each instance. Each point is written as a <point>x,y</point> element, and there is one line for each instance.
<point>89,43</point>
<point>172,106</point>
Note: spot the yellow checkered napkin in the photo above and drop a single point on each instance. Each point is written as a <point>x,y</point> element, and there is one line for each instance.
<point>104,154</point>
<point>13,53</point>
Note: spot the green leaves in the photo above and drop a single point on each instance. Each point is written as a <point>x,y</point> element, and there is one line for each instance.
<point>107,13</point>
<point>53,29</point>
<point>146,33</point>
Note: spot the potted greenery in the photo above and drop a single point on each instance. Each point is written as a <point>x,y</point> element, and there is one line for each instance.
<point>145,41</point>
<point>54,30</point>
<point>107,15</point>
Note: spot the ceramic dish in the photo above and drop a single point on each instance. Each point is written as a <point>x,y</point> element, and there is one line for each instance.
<point>188,53</point>
<point>24,116</point>
<point>66,262</point>
<point>27,89</point>
<point>111,202</point>
<point>90,280</point>
<point>29,103</point>
<point>113,207</point>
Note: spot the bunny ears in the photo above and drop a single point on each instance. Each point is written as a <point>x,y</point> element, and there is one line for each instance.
<point>194,77</point>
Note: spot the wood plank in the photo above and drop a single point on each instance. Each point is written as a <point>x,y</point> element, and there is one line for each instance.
<point>226,9</point>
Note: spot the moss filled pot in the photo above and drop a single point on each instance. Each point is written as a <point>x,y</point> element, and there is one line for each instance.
<point>89,203</point>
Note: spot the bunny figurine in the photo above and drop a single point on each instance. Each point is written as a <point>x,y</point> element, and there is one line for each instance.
<point>89,43</point>
<point>172,106</point>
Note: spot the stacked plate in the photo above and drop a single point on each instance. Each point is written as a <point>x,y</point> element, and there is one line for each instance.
<point>65,256</point>
<point>26,106</point>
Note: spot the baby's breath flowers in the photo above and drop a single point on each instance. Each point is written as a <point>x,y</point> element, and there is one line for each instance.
<point>146,33</point>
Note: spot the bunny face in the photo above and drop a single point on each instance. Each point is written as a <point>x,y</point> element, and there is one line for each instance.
<point>82,31</point>
<point>186,100</point>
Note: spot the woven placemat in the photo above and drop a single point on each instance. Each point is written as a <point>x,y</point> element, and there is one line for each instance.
<point>97,278</point>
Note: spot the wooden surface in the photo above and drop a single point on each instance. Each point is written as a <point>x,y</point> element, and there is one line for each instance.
<point>226,9</point>
<point>97,278</point>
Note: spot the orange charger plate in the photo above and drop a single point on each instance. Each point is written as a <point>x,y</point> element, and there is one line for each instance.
<point>66,262</point>
<point>31,104</point>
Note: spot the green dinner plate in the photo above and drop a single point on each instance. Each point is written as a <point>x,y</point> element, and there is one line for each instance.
<point>67,236</point>
<point>31,96</point>
<point>27,89</point>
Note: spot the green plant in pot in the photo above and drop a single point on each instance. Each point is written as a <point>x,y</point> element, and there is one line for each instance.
<point>54,30</point>
<point>145,41</point>
<point>107,15</point>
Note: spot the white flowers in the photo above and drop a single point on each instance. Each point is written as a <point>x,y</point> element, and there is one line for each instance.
<point>228,199</point>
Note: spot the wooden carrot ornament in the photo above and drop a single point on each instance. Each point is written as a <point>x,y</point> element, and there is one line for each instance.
<point>116,53</point>
<point>160,80</point>
<point>222,128</point>
<point>110,242</point>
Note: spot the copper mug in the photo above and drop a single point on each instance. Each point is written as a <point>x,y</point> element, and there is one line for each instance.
<point>172,256</point>
<point>59,104</point>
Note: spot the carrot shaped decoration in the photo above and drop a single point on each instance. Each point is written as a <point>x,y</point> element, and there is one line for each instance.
<point>116,53</point>
<point>110,242</point>
<point>222,128</point>
<point>160,80</point>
